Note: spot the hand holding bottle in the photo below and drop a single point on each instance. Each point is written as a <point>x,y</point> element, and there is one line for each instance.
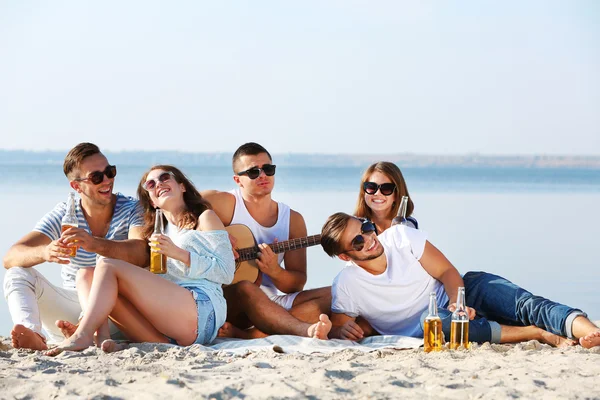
<point>56,252</point>
<point>79,236</point>
<point>162,244</point>
<point>470,311</point>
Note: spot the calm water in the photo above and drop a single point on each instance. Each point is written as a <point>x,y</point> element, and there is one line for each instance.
<point>537,227</point>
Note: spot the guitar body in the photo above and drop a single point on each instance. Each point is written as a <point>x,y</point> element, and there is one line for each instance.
<point>244,270</point>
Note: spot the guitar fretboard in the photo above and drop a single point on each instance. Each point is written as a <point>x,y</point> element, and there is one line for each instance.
<point>249,253</point>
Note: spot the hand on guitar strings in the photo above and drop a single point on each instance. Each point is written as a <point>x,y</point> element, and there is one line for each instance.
<point>267,260</point>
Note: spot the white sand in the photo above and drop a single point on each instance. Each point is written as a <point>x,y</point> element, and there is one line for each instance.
<point>527,370</point>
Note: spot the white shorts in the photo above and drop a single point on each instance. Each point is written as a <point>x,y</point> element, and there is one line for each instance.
<point>284,300</point>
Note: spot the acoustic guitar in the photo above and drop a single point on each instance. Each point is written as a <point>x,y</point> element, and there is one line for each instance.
<point>246,268</point>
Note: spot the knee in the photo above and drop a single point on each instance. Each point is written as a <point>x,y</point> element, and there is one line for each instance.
<point>18,275</point>
<point>246,289</point>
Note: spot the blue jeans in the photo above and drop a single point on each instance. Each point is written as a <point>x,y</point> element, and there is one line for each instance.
<point>499,301</point>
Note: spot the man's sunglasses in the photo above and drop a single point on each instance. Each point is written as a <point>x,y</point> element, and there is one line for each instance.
<point>254,172</point>
<point>358,243</point>
<point>150,184</point>
<point>385,189</point>
<point>97,177</point>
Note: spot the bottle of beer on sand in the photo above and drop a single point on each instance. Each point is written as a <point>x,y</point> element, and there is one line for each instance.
<point>400,219</point>
<point>158,261</point>
<point>433,336</point>
<point>69,220</point>
<point>459,328</point>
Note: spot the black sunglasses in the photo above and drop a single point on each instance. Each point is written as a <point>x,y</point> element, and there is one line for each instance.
<point>254,172</point>
<point>385,189</point>
<point>162,178</point>
<point>97,177</point>
<point>358,243</point>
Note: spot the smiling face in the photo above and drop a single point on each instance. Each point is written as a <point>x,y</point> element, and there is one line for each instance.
<point>100,194</point>
<point>377,202</point>
<point>167,193</point>
<point>261,186</point>
<point>372,248</point>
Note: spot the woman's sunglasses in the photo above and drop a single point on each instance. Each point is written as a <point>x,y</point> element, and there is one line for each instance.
<point>97,177</point>
<point>254,172</point>
<point>358,243</point>
<point>385,189</point>
<point>150,184</point>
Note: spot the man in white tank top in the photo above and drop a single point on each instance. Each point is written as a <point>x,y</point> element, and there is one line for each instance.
<point>251,205</point>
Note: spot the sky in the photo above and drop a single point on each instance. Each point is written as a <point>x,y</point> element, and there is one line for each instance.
<point>345,76</point>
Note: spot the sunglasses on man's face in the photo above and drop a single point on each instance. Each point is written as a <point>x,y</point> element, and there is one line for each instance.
<point>385,189</point>
<point>97,177</point>
<point>358,243</point>
<point>254,172</point>
<point>150,184</point>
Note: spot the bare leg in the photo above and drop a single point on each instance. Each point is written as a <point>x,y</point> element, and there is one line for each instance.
<point>515,334</point>
<point>25,338</point>
<point>309,304</point>
<point>247,302</point>
<point>85,277</point>
<point>169,308</point>
<point>587,333</point>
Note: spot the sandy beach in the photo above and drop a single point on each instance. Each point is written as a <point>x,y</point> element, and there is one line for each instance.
<point>526,370</point>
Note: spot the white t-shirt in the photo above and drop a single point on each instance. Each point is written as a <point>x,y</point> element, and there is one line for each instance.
<point>393,301</point>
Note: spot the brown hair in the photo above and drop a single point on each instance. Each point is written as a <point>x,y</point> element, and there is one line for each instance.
<point>248,149</point>
<point>77,154</point>
<point>194,202</point>
<point>392,171</point>
<point>332,231</point>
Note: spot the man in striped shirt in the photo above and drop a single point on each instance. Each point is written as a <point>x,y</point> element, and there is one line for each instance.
<point>109,224</point>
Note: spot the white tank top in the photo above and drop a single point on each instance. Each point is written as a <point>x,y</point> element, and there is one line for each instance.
<point>262,234</point>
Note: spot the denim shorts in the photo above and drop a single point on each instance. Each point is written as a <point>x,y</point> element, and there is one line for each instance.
<point>206,331</point>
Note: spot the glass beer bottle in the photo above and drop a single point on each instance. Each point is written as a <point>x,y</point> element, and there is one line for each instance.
<point>433,336</point>
<point>158,261</point>
<point>400,219</point>
<point>69,220</point>
<point>459,328</point>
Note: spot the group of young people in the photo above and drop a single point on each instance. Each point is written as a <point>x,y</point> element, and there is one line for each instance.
<point>384,288</point>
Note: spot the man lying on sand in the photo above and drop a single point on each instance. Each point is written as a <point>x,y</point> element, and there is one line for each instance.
<point>389,277</point>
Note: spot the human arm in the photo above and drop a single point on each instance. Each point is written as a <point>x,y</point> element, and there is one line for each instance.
<point>133,250</point>
<point>292,278</point>
<point>34,249</point>
<point>439,267</point>
<point>205,254</point>
<point>222,203</point>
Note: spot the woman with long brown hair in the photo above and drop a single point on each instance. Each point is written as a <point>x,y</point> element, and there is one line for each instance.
<point>183,306</point>
<point>381,189</point>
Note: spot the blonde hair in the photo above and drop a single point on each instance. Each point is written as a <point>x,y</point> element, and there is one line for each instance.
<point>392,171</point>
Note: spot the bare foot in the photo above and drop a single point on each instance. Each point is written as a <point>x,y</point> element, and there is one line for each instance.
<point>25,338</point>
<point>590,340</point>
<point>110,346</point>
<point>229,330</point>
<point>321,329</point>
<point>555,340</point>
<point>76,342</point>
<point>66,328</point>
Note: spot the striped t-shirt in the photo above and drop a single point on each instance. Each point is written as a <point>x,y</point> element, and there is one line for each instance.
<point>127,214</point>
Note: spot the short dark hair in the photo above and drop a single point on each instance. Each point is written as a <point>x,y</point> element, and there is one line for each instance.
<point>248,149</point>
<point>77,154</point>
<point>332,231</point>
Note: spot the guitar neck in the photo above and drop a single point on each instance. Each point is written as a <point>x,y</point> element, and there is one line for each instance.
<point>250,253</point>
